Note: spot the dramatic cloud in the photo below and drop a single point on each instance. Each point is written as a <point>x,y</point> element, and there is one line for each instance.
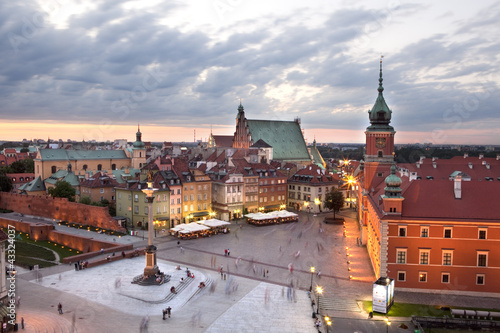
<point>178,65</point>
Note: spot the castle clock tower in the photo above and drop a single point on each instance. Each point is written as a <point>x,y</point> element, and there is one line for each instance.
<point>379,138</point>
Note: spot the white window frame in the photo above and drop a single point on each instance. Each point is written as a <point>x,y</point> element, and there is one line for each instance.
<point>404,273</point>
<point>444,232</point>
<point>397,256</point>
<point>445,274</point>
<point>482,253</point>
<point>402,227</point>
<point>485,233</point>
<point>484,279</point>
<point>442,257</point>
<point>421,251</point>
<point>421,231</point>
<point>422,277</point>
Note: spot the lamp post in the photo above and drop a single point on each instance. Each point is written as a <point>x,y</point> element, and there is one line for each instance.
<point>328,323</point>
<point>151,267</point>
<point>312,273</point>
<point>317,201</point>
<point>319,291</point>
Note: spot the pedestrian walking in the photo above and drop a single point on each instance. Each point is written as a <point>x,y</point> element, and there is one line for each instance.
<point>59,308</point>
<point>169,311</point>
<point>225,252</point>
<point>182,249</point>
<point>228,252</point>
<point>22,323</point>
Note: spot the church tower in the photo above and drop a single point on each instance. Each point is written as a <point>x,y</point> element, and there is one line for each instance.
<point>242,137</point>
<point>138,151</point>
<point>379,153</point>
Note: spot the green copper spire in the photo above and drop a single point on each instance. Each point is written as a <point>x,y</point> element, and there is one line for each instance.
<point>241,111</point>
<point>380,79</point>
<point>380,114</point>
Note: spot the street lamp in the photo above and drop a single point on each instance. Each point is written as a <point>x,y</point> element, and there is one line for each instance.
<point>312,272</point>
<point>328,323</point>
<point>388,324</point>
<point>319,291</point>
<point>318,203</point>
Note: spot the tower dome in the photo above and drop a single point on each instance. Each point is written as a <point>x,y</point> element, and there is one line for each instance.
<point>138,141</point>
<point>393,183</point>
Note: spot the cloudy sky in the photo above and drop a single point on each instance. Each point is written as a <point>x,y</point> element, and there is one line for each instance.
<point>95,69</point>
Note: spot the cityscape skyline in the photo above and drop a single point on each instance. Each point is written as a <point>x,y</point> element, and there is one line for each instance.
<point>86,71</point>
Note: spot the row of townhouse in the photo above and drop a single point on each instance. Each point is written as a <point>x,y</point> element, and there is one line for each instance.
<point>225,191</point>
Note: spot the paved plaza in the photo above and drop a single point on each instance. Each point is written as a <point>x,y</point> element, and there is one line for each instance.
<point>263,265</point>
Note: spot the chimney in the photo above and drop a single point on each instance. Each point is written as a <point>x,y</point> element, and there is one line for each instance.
<point>434,165</point>
<point>418,165</point>
<point>466,155</point>
<point>481,156</point>
<point>422,158</point>
<point>457,187</point>
<point>487,166</point>
<point>470,165</point>
<point>498,157</point>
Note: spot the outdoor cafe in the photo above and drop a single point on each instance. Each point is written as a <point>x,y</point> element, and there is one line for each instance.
<point>275,217</point>
<point>202,228</point>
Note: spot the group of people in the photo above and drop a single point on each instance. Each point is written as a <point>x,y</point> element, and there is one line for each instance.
<point>166,312</point>
<point>81,265</point>
<point>227,252</point>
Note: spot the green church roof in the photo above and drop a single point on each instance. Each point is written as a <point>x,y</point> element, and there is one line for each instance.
<point>316,155</point>
<point>71,155</point>
<point>284,136</point>
<point>33,186</point>
<point>64,175</point>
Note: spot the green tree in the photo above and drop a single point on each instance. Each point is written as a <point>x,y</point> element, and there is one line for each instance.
<point>334,200</point>
<point>63,189</point>
<point>85,200</point>
<point>5,183</point>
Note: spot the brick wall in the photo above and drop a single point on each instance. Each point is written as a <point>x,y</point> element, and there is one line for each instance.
<point>60,209</point>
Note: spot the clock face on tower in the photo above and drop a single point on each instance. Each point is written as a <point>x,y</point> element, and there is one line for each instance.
<point>380,142</point>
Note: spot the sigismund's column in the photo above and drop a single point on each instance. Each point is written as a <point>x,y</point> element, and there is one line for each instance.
<point>151,266</point>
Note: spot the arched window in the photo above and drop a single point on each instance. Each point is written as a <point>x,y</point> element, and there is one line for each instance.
<point>380,154</point>
<point>53,169</point>
<point>85,167</point>
<point>99,167</point>
<point>113,166</point>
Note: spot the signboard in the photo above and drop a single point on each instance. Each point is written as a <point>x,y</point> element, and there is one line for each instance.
<point>383,295</point>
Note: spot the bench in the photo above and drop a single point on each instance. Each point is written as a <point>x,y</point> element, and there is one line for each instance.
<point>494,315</point>
<point>457,313</point>
<point>484,314</point>
<point>470,313</point>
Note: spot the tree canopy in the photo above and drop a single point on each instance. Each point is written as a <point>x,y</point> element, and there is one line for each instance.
<point>63,189</point>
<point>5,183</point>
<point>334,200</point>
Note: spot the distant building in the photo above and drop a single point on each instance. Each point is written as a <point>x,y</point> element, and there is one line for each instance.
<point>308,187</point>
